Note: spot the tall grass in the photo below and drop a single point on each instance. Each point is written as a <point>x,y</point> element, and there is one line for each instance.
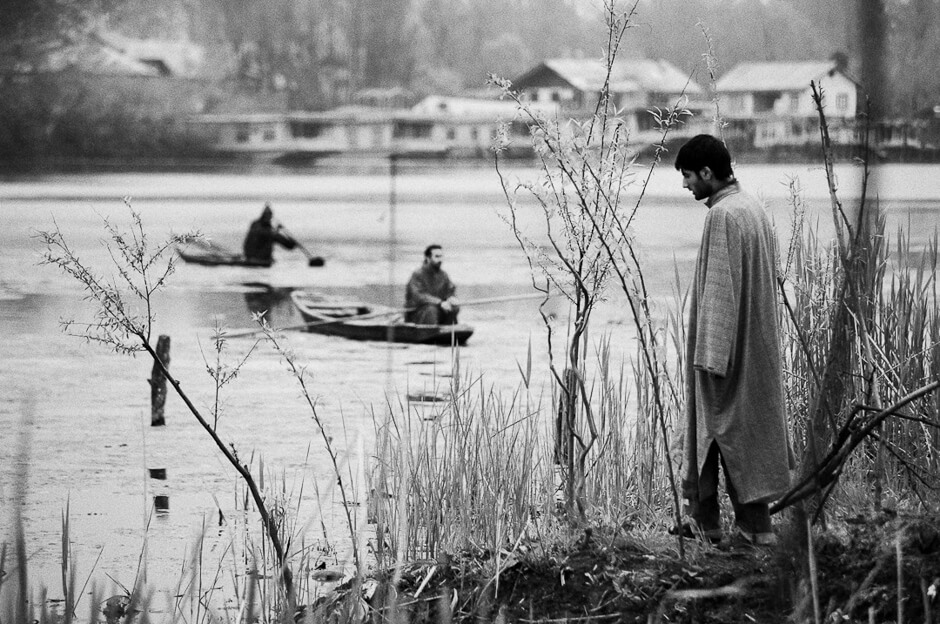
<point>478,477</point>
<point>470,478</point>
<point>897,353</point>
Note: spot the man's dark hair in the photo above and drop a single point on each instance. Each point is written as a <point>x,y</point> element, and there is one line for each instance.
<point>702,151</point>
<point>429,249</point>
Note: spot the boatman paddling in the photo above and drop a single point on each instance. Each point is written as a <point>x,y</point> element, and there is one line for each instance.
<point>430,294</point>
<point>259,242</point>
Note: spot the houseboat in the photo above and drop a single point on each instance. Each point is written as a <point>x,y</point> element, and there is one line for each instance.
<point>438,126</point>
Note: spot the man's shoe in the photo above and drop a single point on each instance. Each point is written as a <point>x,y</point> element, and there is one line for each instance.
<point>758,539</point>
<point>713,536</point>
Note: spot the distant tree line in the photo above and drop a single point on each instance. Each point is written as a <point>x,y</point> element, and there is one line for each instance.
<point>317,54</point>
<point>324,51</point>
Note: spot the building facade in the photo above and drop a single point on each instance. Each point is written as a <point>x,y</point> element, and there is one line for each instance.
<point>771,104</point>
<point>637,86</point>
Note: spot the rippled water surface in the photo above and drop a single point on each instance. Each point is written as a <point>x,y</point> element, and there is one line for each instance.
<point>82,412</point>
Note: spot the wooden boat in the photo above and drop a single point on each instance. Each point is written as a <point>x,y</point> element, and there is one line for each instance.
<point>207,253</point>
<point>363,321</point>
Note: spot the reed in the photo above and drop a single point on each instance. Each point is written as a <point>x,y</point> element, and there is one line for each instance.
<point>900,350</point>
<point>478,475</point>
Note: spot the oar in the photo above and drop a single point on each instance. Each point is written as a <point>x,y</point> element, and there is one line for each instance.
<point>312,260</point>
<point>473,302</point>
<point>342,319</point>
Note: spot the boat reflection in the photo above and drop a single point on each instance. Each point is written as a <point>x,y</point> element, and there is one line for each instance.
<point>273,301</point>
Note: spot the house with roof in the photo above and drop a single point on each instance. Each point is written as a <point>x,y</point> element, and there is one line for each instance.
<point>772,103</point>
<point>637,86</point>
<point>107,53</point>
<point>161,57</point>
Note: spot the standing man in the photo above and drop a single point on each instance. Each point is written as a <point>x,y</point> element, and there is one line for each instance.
<point>735,410</point>
<point>258,247</point>
<point>430,294</point>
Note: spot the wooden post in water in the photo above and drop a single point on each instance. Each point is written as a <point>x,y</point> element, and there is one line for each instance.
<point>158,383</point>
<point>161,502</point>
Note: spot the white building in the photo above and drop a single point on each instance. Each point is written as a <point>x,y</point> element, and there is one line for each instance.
<point>637,86</point>
<point>773,102</point>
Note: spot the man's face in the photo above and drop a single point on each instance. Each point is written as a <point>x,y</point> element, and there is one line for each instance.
<point>694,182</point>
<point>435,259</point>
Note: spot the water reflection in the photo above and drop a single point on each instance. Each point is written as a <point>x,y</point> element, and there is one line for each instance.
<point>273,301</point>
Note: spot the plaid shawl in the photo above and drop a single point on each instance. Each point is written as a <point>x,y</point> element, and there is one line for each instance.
<point>734,378</point>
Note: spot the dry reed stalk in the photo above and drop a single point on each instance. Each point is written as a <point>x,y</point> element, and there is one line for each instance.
<point>444,477</point>
<point>813,571</point>
<point>899,551</point>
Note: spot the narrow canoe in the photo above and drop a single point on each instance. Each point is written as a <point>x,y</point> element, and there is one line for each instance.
<point>363,321</point>
<point>206,253</point>
<point>210,254</point>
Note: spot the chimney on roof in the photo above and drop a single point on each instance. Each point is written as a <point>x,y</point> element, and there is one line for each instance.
<point>841,59</point>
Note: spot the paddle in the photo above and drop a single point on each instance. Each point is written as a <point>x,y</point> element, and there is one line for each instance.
<point>312,260</point>
<point>343,319</point>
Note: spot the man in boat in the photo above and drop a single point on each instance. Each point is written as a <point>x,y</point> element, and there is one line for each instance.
<point>430,294</point>
<point>735,407</point>
<point>262,235</point>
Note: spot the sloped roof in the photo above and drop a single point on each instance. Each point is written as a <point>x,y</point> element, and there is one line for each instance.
<point>180,58</point>
<point>109,53</point>
<point>777,76</point>
<point>627,75</point>
<point>97,60</point>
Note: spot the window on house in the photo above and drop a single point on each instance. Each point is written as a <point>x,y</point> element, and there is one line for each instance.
<point>764,102</point>
<point>412,130</point>
<point>842,102</point>
<point>269,133</point>
<point>305,129</point>
<point>474,133</point>
<point>451,134</point>
<point>794,102</point>
<point>556,96</point>
<point>242,133</point>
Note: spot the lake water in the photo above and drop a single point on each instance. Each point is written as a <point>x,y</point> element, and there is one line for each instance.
<point>84,411</point>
